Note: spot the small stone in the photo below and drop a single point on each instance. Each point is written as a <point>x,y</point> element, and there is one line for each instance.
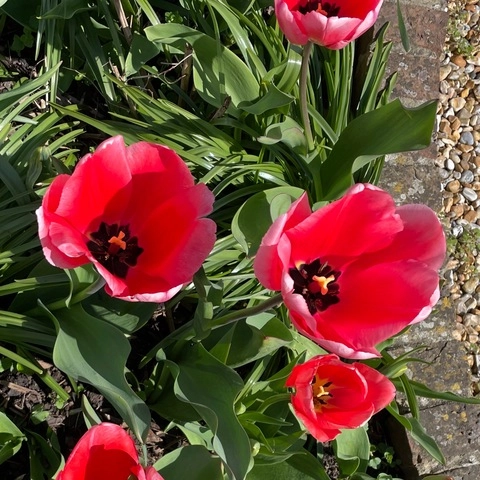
<point>471,216</point>
<point>453,186</point>
<point>458,103</point>
<point>470,194</point>
<point>467,176</point>
<point>467,138</point>
<point>471,320</point>
<point>444,71</point>
<point>449,164</point>
<point>470,285</point>
<point>459,60</point>
<point>455,123</point>
<point>458,210</point>
<point>447,204</point>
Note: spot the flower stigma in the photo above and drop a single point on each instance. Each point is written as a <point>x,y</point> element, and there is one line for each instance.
<point>317,283</point>
<point>324,8</point>
<point>114,248</point>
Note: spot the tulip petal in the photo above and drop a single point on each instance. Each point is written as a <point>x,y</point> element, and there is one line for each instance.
<point>289,24</point>
<point>105,451</point>
<point>367,216</point>
<point>268,264</point>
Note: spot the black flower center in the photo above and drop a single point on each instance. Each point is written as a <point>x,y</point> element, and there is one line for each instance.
<point>317,283</point>
<point>329,9</point>
<point>114,248</point>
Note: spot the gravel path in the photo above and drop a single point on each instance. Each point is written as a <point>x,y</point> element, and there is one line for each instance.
<point>458,142</point>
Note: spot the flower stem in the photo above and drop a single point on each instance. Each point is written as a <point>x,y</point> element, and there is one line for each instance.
<point>307,50</point>
<point>247,312</point>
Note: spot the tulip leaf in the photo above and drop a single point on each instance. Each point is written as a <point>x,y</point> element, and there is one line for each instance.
<point>418,433</point>
<point>279,471</point>
<point>66,9</point>
<point>288,132</point>
<point>194,462</point>
<point>218,72</point>
<point>95,352</point>
<point>11,438</point>
<point>388,129</point>
<point>352,449</point>
<point>250,340</point>
<point>257,214</point>
<point>197,372</point>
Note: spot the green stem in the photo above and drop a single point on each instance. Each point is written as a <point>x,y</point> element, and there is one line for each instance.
<point>307,50</point>
<point>247,312</point>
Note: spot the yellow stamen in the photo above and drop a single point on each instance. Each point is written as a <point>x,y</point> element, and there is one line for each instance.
<point>321,10</point>
<point>118,242</point>
<point>321,388</point>
<point>323,282</point>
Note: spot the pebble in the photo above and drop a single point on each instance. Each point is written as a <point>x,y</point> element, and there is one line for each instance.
<point>470,194</point>
<point>467,138</point>
<point>467,176</point>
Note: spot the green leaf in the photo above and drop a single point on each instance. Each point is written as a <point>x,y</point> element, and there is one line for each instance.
<point>418,433</point>
<point>196,372</point>
<point>257,214</point>
<point>218,72</point>
<point>95,352</point>
<point>11,438</point>
<point>141,51</point>
<point>274,99</point>
<point>288,132</point>
<point>402,28</point>
<point>352,449</point>
<point>66,9</point>
<point>194,462</point>
<point>389,129</point>
<point>277,471</point>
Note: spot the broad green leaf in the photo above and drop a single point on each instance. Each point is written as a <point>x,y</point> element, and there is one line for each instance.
<point>246,341</point>
<point>277,471</point>
<point>418,433</point>
<point>218,72</point>
<point>288,132</point>
<point>197,372</point>
<point>95,352</point>
<point>274,99</point>
<point>66,9</point>
<point>141,51</point>
<point>11,438</point>
<point>128,316</point>
<point>257,214</point>
<point>352,449</point>
<point>389,129</point>
<point>193,462</point>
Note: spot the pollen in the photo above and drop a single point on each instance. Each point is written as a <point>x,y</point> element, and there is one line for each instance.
<point>321,393</point>
<point>322,283</point>
<point>118,240</point>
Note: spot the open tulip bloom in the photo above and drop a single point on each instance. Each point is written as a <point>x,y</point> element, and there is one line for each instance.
<point>331,395</point>
<point>332,24</point>
<point>135,213</point>
<point>355,272</point>
<point>106,452</point>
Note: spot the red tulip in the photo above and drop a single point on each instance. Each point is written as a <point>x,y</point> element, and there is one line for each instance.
<point>106,451</point>
<point>331,395</point>
<point>355,272</point>
<point>332,24</point>
<point>135,213</point>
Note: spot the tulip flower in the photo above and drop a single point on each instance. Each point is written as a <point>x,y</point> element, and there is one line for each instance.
<point>331,395</point>
<point>106,451</point>
<point>135,213</point>
<point>355,272</point>
<point>332,24</point>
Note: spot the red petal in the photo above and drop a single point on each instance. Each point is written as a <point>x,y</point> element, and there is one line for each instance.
<point>268,264</point>
<point>99,188</point>
<point>362,221</point>
<point>175,242</point>
<point>290,26</point>
<point>105,451</point>
<point>381,390</point>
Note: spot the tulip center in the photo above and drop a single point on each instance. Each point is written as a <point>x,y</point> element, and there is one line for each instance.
<point>317,283</point>
<point>114,248</point>
<point>320,392</point>
<point>324,8</point>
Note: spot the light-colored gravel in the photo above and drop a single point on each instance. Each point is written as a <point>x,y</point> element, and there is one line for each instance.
<point>458,142</point>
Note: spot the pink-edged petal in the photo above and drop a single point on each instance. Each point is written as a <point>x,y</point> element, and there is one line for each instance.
<point>176,251</point>
<point>268,264</point>
<point>422,238</point>
<point>289,24</point>
<point>329,31</point>
<point>361,222</point>
<point>159,297</point>
<point>105,451</point>
<point>377,302</point>
<point>99,188</point>
<point>381,390</point>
